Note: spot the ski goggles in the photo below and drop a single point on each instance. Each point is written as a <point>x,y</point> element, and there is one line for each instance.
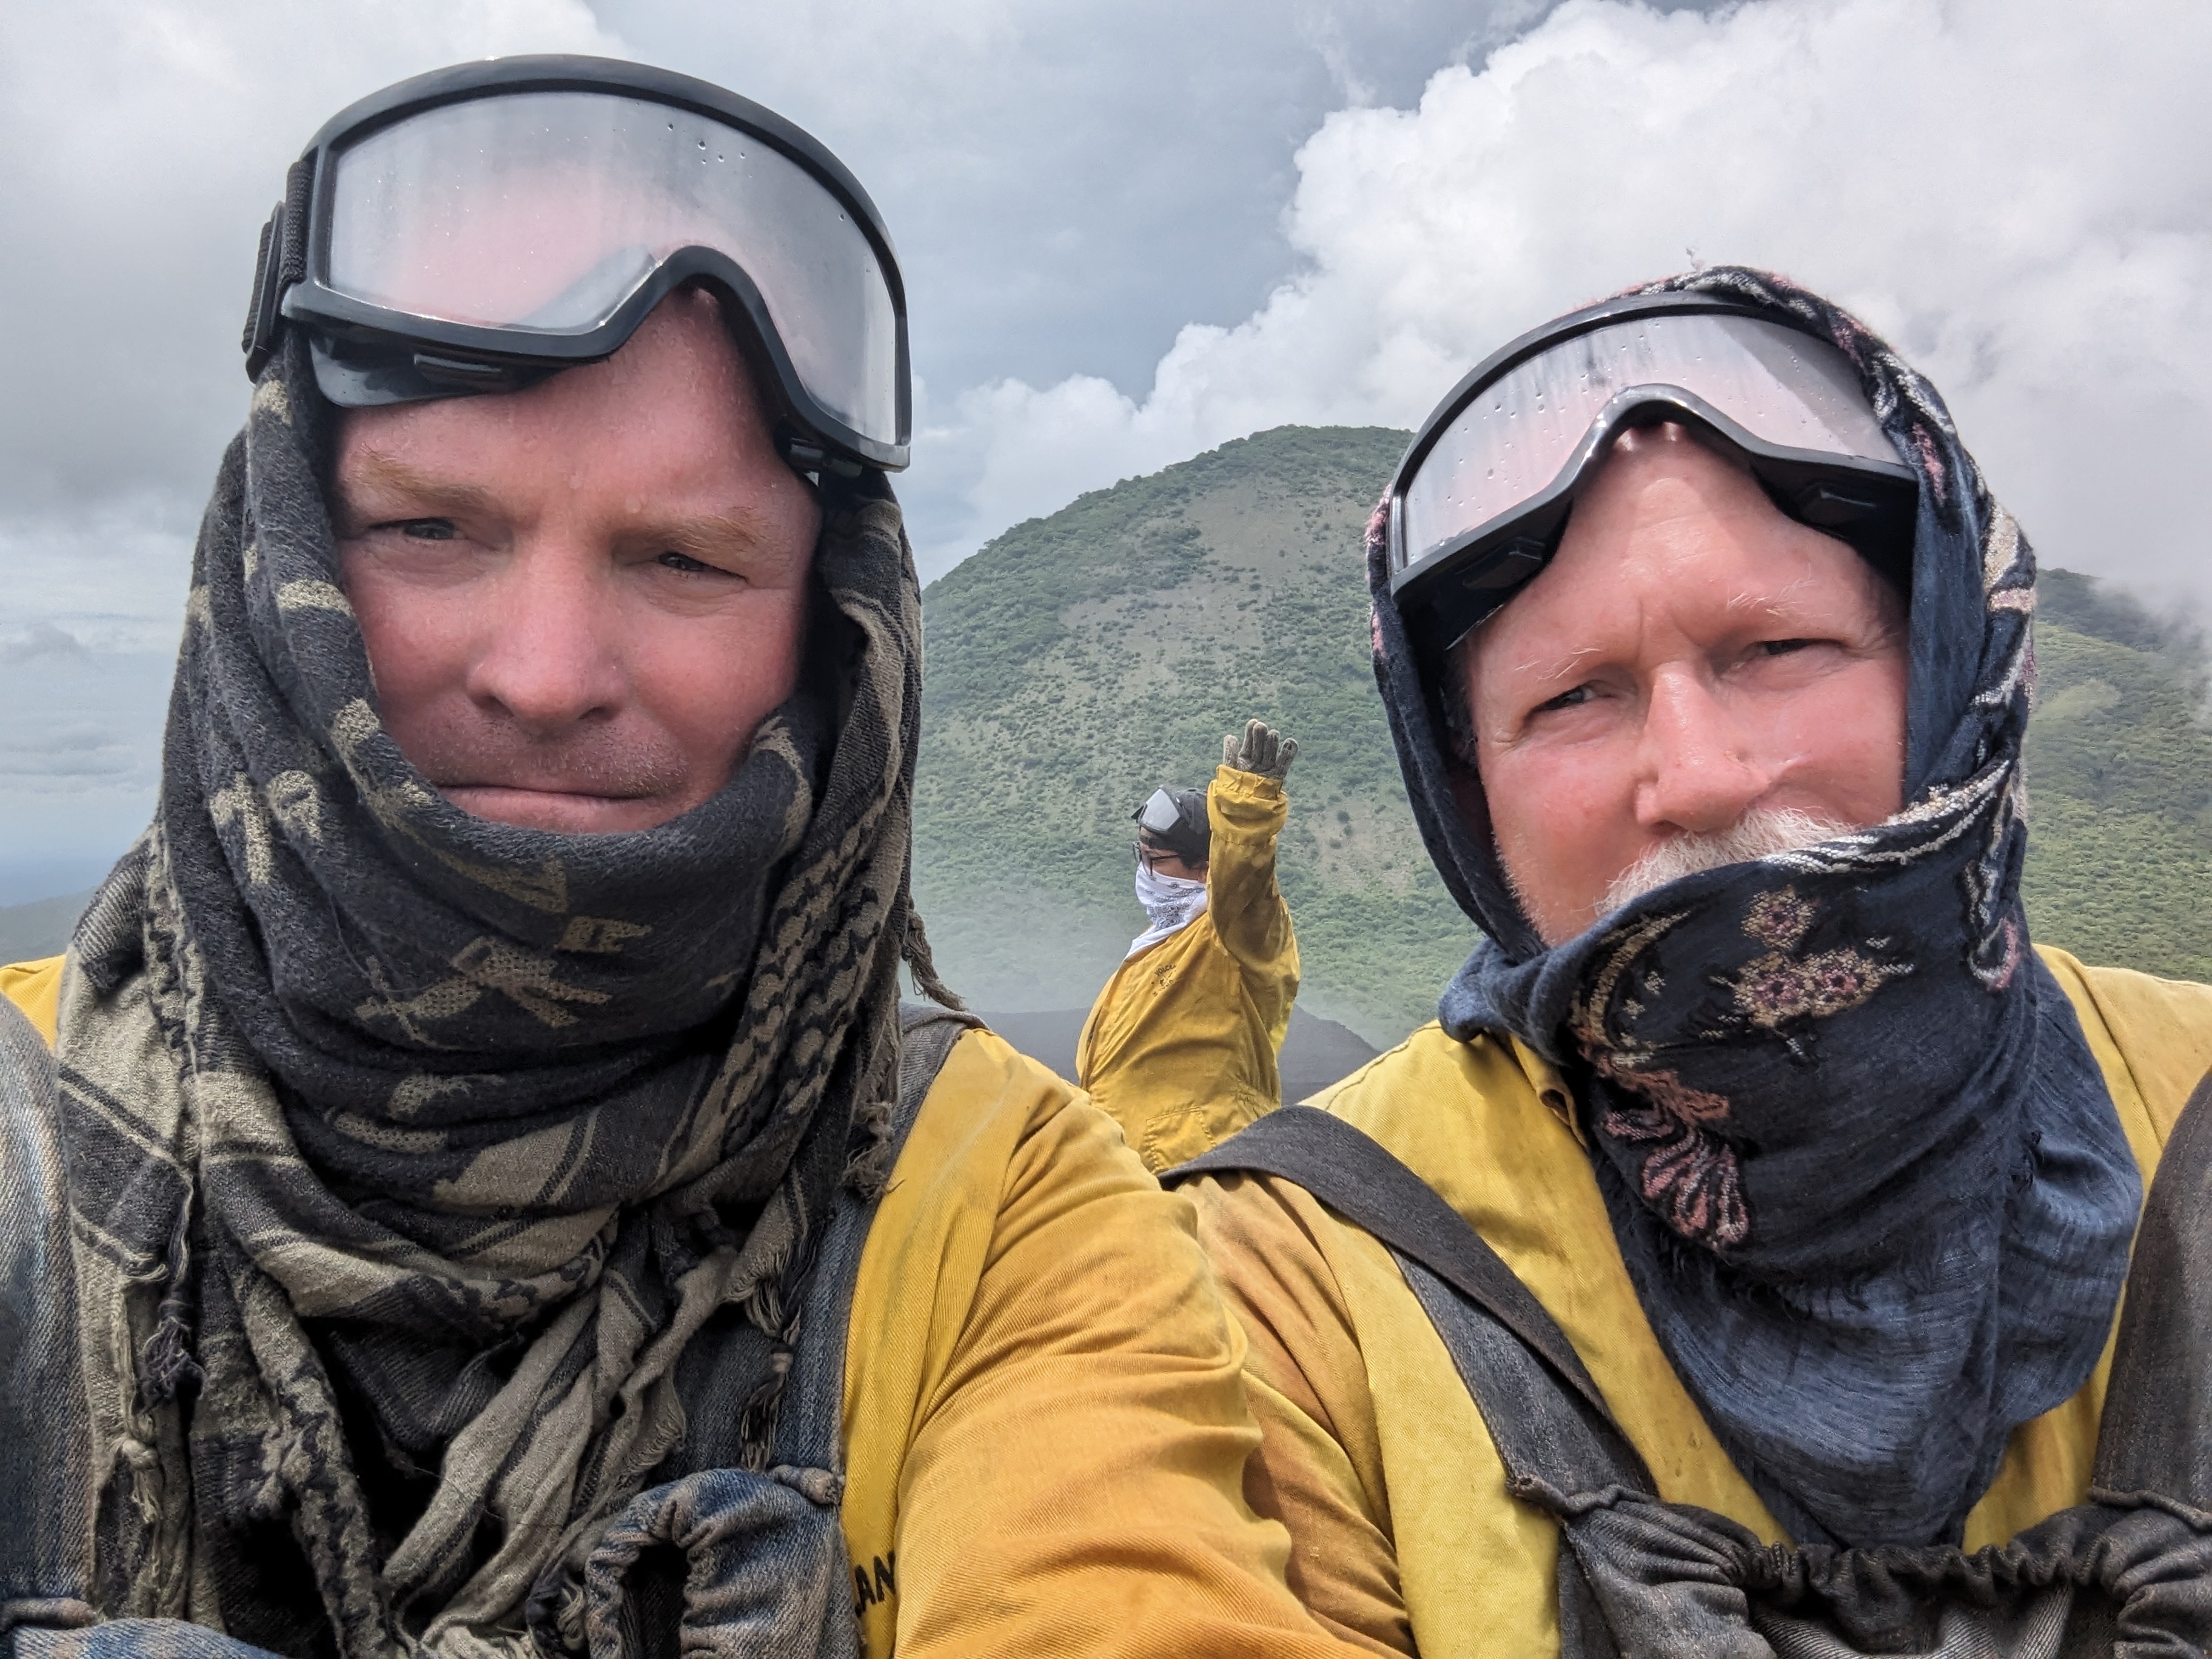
<point>480,228</point>
<point>1160,813</point>
<point>1482,497</point>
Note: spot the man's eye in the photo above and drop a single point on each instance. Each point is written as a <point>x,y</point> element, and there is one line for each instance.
<point>1783,647</point>
<point>684,561</point>
<point>427,530</point>
<point>1572,699</point>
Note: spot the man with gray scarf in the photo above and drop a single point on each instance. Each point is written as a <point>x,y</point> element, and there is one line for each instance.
<point>484,1197</point>
<point>1733,1269</point>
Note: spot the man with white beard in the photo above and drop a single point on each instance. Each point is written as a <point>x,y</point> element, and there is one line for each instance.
<point>1733,1267</point>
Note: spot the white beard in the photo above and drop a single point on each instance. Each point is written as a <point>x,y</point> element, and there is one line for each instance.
<point>1756,835</point>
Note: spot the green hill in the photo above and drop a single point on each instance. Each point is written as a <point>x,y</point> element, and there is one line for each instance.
<point>1080,660</point>
<point>2120,781</point>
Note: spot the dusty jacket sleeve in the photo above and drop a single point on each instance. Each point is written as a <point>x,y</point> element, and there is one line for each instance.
<point>1248,812</point>
<point>1319,1469</point>
<point>1074,1486</point>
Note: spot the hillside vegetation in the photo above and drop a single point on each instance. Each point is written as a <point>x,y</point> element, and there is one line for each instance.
<point>1080,660</point>
<point>2119,779</point>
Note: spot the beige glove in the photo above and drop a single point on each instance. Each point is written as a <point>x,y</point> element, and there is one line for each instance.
<point>1262,750</point>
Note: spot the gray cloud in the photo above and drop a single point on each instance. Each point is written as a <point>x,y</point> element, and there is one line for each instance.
<point>1069,183</point>
<point>80,759</point>
<point>41,639</point>
<point>148,140</point>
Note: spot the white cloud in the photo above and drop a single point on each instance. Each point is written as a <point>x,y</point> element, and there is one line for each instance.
<point>2014,191</point>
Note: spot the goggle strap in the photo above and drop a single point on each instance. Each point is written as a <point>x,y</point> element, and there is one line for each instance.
<point>805,456</point>
<point>281,261</point>
<point>252,344</point>
<point>298,187</point>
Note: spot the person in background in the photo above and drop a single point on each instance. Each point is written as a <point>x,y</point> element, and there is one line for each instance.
<point>1733,1267</point>
<point>1182,1044</point>
<point>485,1197</point>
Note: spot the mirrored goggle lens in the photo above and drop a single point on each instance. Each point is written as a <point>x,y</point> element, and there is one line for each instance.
<point>1516,436</point>
<point>540,213</point>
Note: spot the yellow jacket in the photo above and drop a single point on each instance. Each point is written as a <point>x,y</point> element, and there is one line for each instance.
<point>1180,1045</point>
<point>1372,1451</point>
<point>1045,1426</point>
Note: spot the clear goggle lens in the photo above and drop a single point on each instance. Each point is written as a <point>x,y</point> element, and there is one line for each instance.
<point>541,213</point>
<point>1519,433</point>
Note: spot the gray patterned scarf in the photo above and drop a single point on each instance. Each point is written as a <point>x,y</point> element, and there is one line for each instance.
<point>1860,1162</point>
<point>412,1146</point>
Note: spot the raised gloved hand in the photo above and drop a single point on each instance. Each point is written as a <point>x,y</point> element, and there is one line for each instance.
<point>1261,750</point>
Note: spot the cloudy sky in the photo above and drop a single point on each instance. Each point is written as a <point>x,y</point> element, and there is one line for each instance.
<point>1133,229</point>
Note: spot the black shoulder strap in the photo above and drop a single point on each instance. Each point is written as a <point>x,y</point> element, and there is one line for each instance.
<point>1354,1175</point>
<point>2156,1435</point>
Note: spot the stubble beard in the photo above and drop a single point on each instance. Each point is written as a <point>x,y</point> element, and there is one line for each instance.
<point>1760,833</point>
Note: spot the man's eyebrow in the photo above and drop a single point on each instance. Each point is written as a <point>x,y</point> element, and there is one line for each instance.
<point>741,531</point>
<point>740,525</point>
<point>376,471</point>
<point>1560,666</point>
<point>1781,602</point>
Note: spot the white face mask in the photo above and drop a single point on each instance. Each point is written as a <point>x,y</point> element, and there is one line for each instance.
<point>1171,904</point>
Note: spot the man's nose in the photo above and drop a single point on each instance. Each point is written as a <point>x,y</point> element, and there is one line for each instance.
<point>1699,770</point>
<point>546,657</point>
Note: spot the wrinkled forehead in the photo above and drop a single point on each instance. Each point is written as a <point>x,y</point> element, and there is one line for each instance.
<point>680,385</point>
<point>1667,519</point>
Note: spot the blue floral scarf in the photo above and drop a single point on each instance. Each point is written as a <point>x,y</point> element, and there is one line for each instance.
<point>1859,1161</point>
